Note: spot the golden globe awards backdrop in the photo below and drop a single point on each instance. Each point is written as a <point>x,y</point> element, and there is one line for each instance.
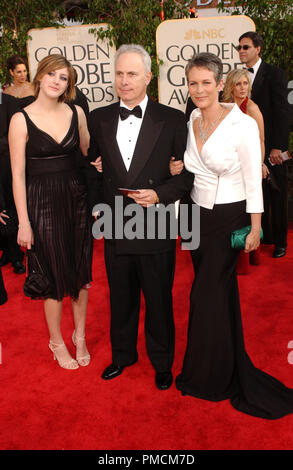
<point>179,40</point>
<point>93,60</point>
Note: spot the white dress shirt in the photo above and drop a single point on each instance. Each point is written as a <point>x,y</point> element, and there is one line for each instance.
<point>127,133</point>
<point>255,69</point>
<point>229,167</point>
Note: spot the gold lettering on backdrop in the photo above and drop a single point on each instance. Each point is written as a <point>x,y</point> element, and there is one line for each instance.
<point>179,40</point>
<point>210,33</point>
<point>93,60</point>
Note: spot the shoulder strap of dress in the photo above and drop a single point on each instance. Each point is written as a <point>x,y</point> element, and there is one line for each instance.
<point>26,116</point>
<point>243,105</point>
<point>74,110</point>
<point>72,106</point>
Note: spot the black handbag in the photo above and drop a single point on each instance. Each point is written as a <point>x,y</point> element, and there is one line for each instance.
<point>11,224</point>
<point>36,283</point>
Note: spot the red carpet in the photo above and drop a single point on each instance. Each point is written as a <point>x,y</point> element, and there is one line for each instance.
<point>46,407</point>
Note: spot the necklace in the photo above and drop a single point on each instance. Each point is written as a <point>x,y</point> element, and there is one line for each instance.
<point>204,133</point>
<point>19,89</point>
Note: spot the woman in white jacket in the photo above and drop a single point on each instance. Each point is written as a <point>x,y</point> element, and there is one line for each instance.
<point>223,151</point>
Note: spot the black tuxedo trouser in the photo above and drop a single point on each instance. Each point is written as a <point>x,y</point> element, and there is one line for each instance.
<point>275,216</point>
<point>128,275</point>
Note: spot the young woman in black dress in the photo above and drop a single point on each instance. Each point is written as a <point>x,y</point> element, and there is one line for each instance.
<point>51,199</point>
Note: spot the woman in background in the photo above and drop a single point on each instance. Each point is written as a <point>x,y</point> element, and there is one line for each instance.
<point>237,89</point>
<point>15,97</point>
<point>20,87</point>
<point>51,200</point>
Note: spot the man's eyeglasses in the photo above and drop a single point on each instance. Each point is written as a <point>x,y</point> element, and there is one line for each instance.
<point>245,47</point>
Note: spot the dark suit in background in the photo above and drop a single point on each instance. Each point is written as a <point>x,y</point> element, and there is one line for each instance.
<point>11,251</point>
<point>270,92</point>
<point>8,107</point>
<point>135,265</point>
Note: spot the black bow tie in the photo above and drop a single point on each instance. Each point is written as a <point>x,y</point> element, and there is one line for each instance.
<point>250,70</point>
<point>125,113</point>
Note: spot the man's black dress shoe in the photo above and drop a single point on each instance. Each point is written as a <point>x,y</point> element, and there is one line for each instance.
<point>112,371</point>
<point>4,259</point>
<point>279,252</point>
<point>164,380</point>
<point>19,268</point>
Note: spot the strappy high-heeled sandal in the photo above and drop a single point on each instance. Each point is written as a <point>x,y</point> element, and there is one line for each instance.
<point>69,364</point>
<point>82,360</point>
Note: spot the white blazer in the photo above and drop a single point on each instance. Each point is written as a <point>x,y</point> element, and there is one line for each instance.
<point>229,167</point>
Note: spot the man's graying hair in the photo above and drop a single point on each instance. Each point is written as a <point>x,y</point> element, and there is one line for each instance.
<point>136,48</point>
<point>206,60</point>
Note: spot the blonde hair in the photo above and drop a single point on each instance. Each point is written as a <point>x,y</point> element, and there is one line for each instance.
<point>49,64</point>
<point>231,80</point>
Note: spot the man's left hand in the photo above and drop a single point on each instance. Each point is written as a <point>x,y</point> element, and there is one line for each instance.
<point>145,197</point>
<point>275,157</point>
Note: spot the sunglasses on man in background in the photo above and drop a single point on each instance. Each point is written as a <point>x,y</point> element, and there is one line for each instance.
<point>245,47</point>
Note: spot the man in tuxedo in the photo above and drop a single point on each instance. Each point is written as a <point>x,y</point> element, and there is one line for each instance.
<point>269,92</point>
<point>136,138</point>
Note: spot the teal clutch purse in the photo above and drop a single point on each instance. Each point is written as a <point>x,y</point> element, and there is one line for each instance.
<point>238,237</point>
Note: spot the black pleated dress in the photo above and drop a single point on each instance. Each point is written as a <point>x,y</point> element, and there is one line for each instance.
<point>58,210</point>
<point>216,365</point>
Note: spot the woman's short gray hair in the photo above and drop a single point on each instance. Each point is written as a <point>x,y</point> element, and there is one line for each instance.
<point>136,48</point>
<point>206,60</point>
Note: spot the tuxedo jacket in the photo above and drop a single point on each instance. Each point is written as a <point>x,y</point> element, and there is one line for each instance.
<point>270,93</point>
<point>163,134</point>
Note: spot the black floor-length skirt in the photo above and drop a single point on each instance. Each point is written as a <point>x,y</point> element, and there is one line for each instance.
<point>216,366</point>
